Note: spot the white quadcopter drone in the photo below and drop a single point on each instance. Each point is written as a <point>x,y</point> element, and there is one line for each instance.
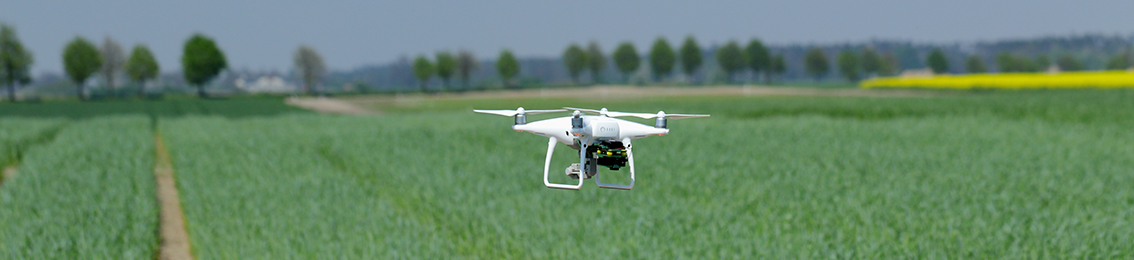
<point>602,140</point>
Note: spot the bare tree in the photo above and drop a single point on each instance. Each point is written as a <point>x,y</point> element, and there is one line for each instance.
<point>310,67</point>
<point>466,64</point>
<point>113,59</point>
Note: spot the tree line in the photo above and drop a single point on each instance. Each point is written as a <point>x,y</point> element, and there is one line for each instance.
<point>664,59</point>
<point>202,60</point>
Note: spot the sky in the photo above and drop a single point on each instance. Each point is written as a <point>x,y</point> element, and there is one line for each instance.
<point>262,35</point>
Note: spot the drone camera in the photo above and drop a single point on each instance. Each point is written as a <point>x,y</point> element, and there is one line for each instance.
<point>609,154</point>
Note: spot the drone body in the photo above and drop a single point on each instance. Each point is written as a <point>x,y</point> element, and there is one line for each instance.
<point>601,140</point>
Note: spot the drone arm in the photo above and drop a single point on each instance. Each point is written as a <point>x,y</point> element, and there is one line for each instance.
<point>630,160</point>
<point>547,167</point>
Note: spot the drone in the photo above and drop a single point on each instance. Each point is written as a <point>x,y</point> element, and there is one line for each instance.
<point>601,139</point>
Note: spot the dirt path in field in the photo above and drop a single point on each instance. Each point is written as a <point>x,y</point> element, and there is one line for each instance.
<point>174,238</point>
<point>328,105</point>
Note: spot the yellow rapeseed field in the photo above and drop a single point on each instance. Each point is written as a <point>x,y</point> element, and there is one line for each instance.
<point>1087,79</point>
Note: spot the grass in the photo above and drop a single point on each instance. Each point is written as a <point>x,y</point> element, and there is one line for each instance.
<point>975,175</point>
<point>18,134</point>
<point>88,194</point>
<point>994,175</point>
<point>236,107</point>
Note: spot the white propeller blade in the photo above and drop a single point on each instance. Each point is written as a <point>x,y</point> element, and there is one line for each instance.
<point>518,111</point>
<point>639,115</point>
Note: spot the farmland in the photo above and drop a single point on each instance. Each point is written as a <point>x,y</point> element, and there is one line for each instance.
<point>1064,80</point>
<point>973,175</point>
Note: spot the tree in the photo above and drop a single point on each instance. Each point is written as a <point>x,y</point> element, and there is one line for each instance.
<point>662,59</point>
<point>871,62</point>
<point>575,59</point>
<point>1011,63</point>
<point>201,61</point>
<point>80,60</point>
<point>1006,63</point>
<point>690,56</point>
<point>309,64</point>
<point>113,58</point>
<point>508,67</point>
<point>1118,62</point>
<point>15,61</point>
<point>1042,62</point>
<point>731,59</point>
<point>446,64</point>
<point>1067,62</point>
<point>758,58</point>
<point>626,59</point>
<point>779,66</point>
<point>466,64</point>
<point>815,63</point>
<point>889,64</point>
<point>595,61</point>
<point>422,70</point>
<point>937,61</point>
<point>848,65</point>
<point>141,67</point>
<point>974,64</point>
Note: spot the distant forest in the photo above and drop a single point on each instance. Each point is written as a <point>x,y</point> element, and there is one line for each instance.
<point>1092,50</point>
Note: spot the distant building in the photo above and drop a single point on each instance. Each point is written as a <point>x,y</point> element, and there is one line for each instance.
<point>915,73</point>
<point>265,84</point>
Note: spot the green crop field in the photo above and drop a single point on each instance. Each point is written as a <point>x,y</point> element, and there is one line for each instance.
<point>88,194</point>
<point>966,175</point>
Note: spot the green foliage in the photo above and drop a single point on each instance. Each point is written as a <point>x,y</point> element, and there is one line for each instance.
<point>662,59</point>
<point>974,64</point>
<point>596,61</point>
<point>815,63</point>
<point>81,59</point>
<point>422,70</point>
<point>1066,62</point>
<point>872,63</point>
<point>626,59</point>
<point>1012,63</point>
<point>201,61</point>
<point>575,59</point>
<point>890,65</point>
<point>848,65</point>
<point>142,67</point>
<point>231,108</point>
<point>759,59</point>
<point>1042,62</point>
<point>690,56</point>
<point>87,194</point>
<point>1120,61</point>
<point>15,61</point>
<point>466,64</point>
<point>779,66</point>
<point>309,64</point>
<point>937,61</point>
<point>508,68</point>
<point>731,59</point>
<point>446,65</point>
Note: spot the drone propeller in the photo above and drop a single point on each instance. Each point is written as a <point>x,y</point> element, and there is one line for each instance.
<point>660,114</point>
<point>517,112</point>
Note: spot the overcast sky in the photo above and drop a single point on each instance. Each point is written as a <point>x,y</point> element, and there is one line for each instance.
<point>263,34</point>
